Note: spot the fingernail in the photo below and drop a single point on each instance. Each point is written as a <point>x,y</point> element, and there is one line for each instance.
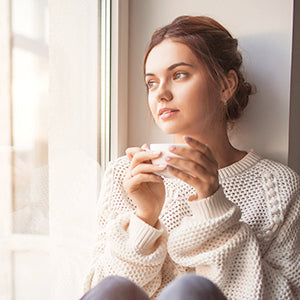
<point>168,158</point>
<point>187,138</point>
<point>155,152</point>
<point>162,166</point>
<point>172,148</point>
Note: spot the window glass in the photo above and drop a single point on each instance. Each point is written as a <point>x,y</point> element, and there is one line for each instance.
<point>29,124</point>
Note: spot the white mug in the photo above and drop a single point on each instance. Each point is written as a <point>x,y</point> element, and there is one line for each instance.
<point>164,149</point>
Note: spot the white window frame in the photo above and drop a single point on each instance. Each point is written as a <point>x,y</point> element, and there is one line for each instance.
<point>119,77</point>
<point>116,139</point>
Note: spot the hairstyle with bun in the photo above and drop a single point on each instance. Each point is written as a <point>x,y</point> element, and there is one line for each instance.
<point>216,48</point>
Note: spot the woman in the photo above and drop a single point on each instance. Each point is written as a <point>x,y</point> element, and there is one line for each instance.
<point>229,222</point>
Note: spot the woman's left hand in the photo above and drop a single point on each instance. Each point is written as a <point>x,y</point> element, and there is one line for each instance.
<point>200,168</point>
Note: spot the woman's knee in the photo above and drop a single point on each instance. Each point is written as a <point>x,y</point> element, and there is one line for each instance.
<point>115,288</point>
<point>192,287</point>
<point>194,281</point>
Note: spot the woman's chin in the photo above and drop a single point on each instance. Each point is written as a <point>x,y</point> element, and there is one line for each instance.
<point>166,128</point>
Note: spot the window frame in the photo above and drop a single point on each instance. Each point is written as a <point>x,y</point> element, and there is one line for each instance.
<point>112,85</point>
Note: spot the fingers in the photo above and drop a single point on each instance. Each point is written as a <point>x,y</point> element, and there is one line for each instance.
<point>143,156</point>
<point>144,168</point>
<point>197,160</point>
<point>133,183</point>
<point>202,148</point>
<point>195,165</point>
<point>193,178</point>
<point>141,164</point>
<point>200,169</point>
<point>147,168</point>
<point>205,186</point>
<point>130,152</point>
<point>182,175</point>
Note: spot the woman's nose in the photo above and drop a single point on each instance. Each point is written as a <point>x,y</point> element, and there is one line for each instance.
<point>164,93</point>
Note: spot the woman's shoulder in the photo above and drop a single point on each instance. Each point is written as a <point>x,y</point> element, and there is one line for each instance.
<point>285,175</point>
<point>258,165</point>
<point>280,182</point>
<point>257,172</point>
<point>253,164</point>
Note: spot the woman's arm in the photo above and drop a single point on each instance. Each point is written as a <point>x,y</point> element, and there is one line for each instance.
<point>126,245</point>
<point>281,262</point>
<point>225,250</point>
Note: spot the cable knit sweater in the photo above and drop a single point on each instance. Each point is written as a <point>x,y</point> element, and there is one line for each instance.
<point>245,237</point>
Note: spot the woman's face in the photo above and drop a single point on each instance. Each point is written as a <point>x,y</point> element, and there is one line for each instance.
<point>179,96</point>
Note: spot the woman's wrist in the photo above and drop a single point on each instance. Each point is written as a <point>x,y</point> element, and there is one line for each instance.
<point>205,194</point>
<point>211,207</point>
<point>143,236</point>
<point>150,219</point>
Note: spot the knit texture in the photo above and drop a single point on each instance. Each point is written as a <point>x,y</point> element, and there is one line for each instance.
<point>245,237</point>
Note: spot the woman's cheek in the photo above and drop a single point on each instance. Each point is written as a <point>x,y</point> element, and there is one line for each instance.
<point>152,107</point>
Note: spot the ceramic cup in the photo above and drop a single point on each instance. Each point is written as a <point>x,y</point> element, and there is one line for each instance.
<point>164,149</point>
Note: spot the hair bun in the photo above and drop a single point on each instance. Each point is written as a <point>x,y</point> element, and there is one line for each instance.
<point>239,101</point>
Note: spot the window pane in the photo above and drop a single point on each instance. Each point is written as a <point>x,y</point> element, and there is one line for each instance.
<point>37,285</point>
<point>30,116</point>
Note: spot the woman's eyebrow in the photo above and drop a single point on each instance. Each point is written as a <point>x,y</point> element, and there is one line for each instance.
<point>170,68</point>
<point>179,64</point>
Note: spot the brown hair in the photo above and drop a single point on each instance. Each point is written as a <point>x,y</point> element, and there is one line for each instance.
<point>216,48</point>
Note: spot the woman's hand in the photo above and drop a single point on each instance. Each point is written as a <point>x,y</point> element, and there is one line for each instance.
<point>145,188</point>
<point>200,169</point>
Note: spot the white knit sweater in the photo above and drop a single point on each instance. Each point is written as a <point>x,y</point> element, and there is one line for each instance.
<point>245,237</point>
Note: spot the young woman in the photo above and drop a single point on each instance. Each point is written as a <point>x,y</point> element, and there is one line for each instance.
<point>230,221</point>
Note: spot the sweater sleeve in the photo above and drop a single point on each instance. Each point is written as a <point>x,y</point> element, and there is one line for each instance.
<point>222,248</point>
<point>281,262</point>
<point>125,245</point>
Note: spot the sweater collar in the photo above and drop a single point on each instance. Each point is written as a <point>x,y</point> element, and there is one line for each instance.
<point>249,160</point>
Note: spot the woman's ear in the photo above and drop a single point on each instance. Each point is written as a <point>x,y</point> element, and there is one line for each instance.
<point>232,81</point>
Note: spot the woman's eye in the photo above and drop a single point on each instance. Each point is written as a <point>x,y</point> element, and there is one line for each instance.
<point>179,75</point>
<point>151,84</point>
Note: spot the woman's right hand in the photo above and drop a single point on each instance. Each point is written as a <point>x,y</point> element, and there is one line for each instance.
<point>145,188</point>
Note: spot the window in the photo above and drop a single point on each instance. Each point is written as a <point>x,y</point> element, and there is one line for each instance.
<point>29,116</point>
<point>50,145</point>
<point>25,149</point>
<point>63,79</point>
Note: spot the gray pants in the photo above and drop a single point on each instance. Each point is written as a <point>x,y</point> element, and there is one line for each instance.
<point>186,287</point>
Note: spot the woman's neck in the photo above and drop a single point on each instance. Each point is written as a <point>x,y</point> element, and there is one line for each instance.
<point>219,144</point>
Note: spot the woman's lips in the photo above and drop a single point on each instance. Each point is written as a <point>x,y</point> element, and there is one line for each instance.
<point>168,114</point>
